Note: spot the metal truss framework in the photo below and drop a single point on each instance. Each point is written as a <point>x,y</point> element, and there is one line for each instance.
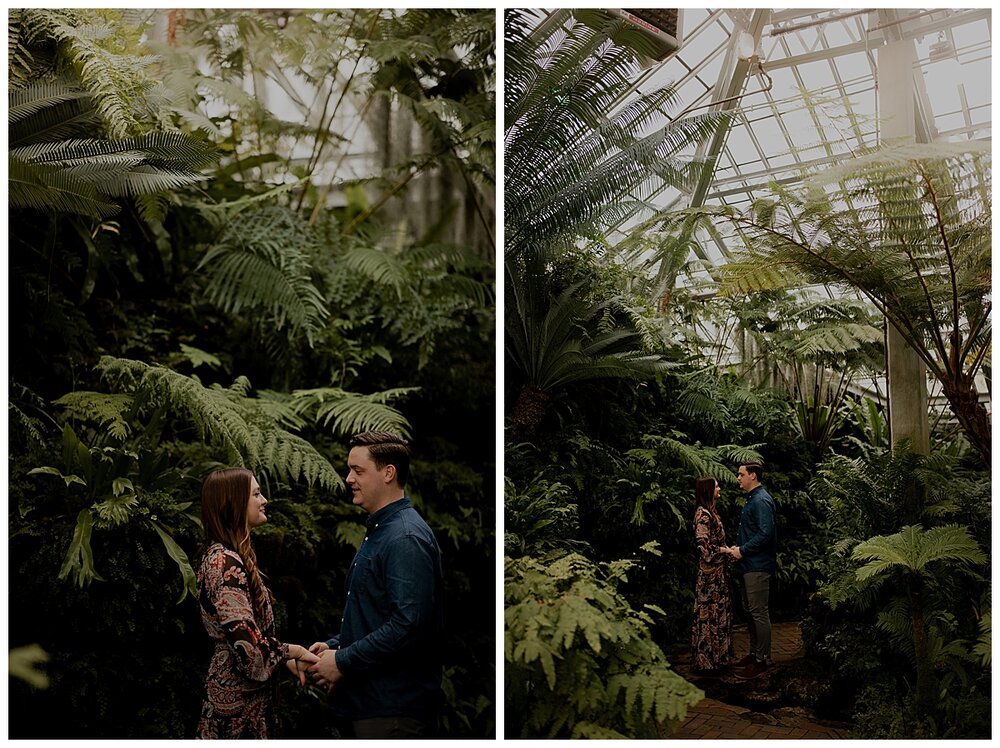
<point>823,106</point>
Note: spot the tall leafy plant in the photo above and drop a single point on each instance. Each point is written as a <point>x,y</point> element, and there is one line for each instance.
<point>908,555</point>
<point>909,228</point>
<point>576,158</point>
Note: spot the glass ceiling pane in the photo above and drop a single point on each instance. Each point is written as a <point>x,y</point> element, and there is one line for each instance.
<point>822,104</point>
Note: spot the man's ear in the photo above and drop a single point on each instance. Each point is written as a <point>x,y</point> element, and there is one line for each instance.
<point>390,473</point>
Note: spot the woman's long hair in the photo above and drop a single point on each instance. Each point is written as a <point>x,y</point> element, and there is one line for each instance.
<point>225,495</point>
<point>704,494</point>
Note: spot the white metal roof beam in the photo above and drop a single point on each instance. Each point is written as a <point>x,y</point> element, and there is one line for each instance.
<point>729,89</point>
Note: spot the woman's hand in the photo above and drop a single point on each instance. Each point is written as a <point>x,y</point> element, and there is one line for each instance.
<point>298,669</point>
<point>299,660</point>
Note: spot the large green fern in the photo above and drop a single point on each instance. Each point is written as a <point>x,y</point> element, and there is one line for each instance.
<point>225,418</point>
<point>260,267</point>
<point>576,162</point>
<point>580,661</point>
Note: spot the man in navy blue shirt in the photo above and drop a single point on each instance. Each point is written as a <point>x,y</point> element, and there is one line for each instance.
<point>756,556</point>
<point>383,670</point>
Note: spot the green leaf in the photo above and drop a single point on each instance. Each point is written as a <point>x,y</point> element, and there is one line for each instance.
<point>80,558</point>
<point>180,557</point>
<point>198,357</point>
<point>46,470</point>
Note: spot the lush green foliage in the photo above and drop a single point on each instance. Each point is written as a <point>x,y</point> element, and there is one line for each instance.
<point>575,169</point>
<point>909,228</point>
<point>237,322</point>
<point>932,615</point>
<point>582,657</point>
<point>749,359</point>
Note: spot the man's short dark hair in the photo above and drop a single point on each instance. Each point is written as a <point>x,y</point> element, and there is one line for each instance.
<point>386,448</point>
<point>752,466</point>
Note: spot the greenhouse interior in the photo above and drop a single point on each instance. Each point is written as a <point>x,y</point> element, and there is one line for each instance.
<point>239,238</point>
<point>748,250</point>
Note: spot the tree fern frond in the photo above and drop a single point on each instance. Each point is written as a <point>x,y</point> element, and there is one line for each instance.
<point>264,261</point>
<point>913,548</point>
<point>225,418</point>
<point>905,226</point>
<point>110,411</point>
<point>897,621</point>
<point>379,266</point>
<point>347,413</point>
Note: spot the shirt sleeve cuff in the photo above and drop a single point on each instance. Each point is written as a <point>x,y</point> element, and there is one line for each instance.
<point>343,658</point>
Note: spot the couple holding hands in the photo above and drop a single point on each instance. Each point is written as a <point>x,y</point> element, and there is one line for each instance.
<point>382,672</point>
<point>755,561</point>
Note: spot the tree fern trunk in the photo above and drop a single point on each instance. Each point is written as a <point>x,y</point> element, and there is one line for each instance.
<point>925,671</point>
<point>964,401</point>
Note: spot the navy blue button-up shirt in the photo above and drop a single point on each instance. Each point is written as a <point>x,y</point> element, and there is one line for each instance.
<point>389,641</point>
<point>758,534</point>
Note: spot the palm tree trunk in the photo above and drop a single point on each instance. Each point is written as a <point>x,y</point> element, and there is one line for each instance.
<point>528,410</point>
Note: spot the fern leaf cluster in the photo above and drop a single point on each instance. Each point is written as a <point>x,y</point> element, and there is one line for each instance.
<point>577,158</point>
<point>580,662</point>
<point>263,260</point>
<point>108,411</point>
<point>913,548</point>
<point>717,461</point>
<point>540,519</point>
<point>346,413</point>
<point>227,419</point>
<point>908,227</point>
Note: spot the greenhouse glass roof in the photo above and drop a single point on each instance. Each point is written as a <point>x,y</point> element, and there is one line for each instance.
<point>804,88</point>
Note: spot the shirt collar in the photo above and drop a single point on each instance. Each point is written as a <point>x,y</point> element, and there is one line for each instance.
<point>374,520</point>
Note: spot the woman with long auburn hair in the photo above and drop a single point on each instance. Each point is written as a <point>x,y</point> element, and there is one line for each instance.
<point>712,631</point>
<point>241,686</point>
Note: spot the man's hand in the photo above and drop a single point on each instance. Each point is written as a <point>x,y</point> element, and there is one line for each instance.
<point>325,673</point>
<point>318,647</point>
<point>734,551</point>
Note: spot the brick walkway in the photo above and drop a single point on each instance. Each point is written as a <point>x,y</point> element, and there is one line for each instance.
<point>711,718</point>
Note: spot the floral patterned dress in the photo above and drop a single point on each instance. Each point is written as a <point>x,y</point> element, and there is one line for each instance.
<point>712,632</point>
<point>241,687</point>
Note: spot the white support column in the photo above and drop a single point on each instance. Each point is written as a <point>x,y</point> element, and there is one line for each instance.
<point>907,375</point>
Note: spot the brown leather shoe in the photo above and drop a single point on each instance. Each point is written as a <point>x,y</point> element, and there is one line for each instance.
<point>752,670</point>
<point>744,661</point>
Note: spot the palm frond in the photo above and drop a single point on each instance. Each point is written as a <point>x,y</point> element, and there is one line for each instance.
<point>46,188</point>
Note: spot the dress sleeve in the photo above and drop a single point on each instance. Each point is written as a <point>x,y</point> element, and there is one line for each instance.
<point>707,551</point>
<point>257,655</point>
